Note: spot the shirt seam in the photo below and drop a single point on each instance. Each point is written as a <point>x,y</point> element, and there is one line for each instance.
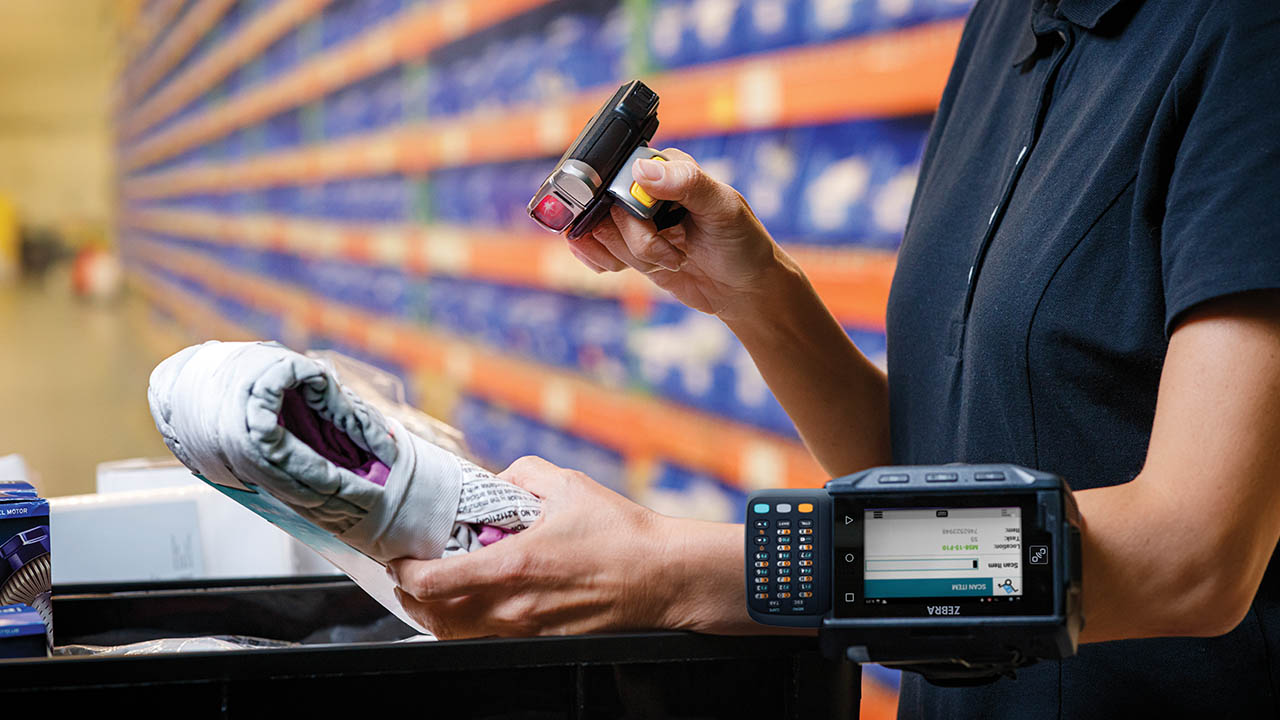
<point>1026,353</point>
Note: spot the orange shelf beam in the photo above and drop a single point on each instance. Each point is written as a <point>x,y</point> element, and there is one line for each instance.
<point>853,282</point>
<point>414,33</point>
<point>193,26</point>
<point>637,425</point>
<point>249,42</point>
<point>149,25</point>
<point>886,75</point>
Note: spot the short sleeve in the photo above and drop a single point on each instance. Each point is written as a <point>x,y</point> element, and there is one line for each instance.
<point>1221,227</point>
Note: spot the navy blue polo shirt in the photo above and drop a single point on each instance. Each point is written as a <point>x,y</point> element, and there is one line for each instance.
<point>1095,169</point>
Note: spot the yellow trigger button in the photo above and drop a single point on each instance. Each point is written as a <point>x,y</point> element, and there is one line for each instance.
<point>638,192</point>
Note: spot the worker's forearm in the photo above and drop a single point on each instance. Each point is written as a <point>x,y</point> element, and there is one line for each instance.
<point>838,400</point>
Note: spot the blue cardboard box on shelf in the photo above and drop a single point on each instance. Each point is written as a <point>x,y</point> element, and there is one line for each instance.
<point>25,560</point>
<point>22,632</point>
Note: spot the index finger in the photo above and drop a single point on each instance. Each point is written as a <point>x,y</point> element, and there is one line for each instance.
<point>675,153</point>
<point>450,577</point>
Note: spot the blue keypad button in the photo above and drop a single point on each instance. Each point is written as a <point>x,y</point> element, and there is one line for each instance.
<point>761,507</point>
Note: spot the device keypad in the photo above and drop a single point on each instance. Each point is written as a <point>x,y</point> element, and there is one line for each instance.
<point>782,552</point>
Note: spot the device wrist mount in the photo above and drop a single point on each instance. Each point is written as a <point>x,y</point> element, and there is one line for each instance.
<point>962,573</point>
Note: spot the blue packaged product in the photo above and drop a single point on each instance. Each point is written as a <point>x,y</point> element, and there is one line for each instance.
<point>871,343</point>
<point>478,184</point>
<point>772,24</point>
<point>609,47</point>
<point>386,97</point>
<point>360,116</point>
<point>386,291</point>
<point>678,491</point>
<point>671,34</point>
<point>283,130</point>
<point>835,185</point>
<point>516,69</point>
<point>338,21</point>
<point>751,400</point>
<point>715,30</point>
<point>342,110</point>
<point>768,173</point>
<point>382,198</point>
<point>828,19</point>
<point>679,353</point>
<point>597,331</point>
<point>500,437</point>
<point>568,52</point>
<point>447,201</point>
<point>25,558</point>
<point>442,88</point>
<point>16,490</point>
<point>281,56</point>
<point>895,160</point>
<point>531,323</point>
<point>22,632</point>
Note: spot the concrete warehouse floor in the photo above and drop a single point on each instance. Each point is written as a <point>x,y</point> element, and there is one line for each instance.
<point>73,382</point>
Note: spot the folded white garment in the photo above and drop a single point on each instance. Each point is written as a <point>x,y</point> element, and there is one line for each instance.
<point>260,417</point>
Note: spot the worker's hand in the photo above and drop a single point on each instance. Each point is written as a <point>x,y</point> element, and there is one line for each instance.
<point>590,563</point>
<point>717,260</point>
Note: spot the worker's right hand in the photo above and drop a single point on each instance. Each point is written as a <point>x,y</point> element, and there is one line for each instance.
<point>719,259</point>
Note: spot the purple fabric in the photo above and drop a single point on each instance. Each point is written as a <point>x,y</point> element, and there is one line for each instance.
<point>328,441</point>
<point>490,534</point>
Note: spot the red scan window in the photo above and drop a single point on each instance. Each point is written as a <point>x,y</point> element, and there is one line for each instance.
<point>552,212</point>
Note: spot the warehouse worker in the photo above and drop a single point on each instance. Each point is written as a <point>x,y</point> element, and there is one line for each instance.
<point>1089,283</point>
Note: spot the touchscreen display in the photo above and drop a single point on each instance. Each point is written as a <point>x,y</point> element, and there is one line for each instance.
<point>957,552</point>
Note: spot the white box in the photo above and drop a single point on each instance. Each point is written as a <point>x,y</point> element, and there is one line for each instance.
<point>169,533</point>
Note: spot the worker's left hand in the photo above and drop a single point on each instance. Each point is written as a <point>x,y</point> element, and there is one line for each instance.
<point>590,563</point>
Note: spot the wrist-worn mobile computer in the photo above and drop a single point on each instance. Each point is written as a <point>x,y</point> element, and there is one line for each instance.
<point>960,572</point>
<point>594,172</point>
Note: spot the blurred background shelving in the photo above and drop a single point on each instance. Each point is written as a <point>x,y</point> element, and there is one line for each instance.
<point>353,174</point>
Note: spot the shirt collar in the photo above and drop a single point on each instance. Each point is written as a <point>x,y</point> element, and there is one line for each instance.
<point>1086,13</point>
<point>1083,13</point>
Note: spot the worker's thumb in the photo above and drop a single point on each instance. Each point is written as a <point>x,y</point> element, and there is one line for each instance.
<point>686,183</point>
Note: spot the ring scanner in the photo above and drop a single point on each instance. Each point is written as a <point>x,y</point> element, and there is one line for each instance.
<point>590,176</point>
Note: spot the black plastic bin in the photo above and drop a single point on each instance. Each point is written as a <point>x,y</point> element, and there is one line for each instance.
<point>648,675</point>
